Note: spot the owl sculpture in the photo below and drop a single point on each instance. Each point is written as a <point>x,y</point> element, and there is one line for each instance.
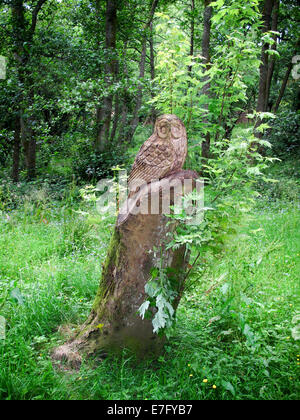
<point>164,152</point>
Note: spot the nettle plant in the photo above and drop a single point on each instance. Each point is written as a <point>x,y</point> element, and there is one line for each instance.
<point>232,71</point>
<point>229,197</point>
<point>235,161</point>
<point>177,88</point>
<point>161,295</point>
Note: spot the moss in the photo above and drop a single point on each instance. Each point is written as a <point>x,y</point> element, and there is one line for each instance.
<point>113,253</point>
<point>111,261</point>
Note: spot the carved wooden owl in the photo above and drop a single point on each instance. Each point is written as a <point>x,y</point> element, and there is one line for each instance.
<point>164,152</point>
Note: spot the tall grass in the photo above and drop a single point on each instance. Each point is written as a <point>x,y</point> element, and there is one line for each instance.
<point>233,338</point>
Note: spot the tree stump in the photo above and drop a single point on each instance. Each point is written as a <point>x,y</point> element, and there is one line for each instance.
<point>114,323</point>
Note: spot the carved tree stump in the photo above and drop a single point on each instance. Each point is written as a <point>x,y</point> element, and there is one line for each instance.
<point>113,323</point>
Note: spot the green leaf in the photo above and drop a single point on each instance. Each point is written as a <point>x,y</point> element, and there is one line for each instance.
<point>229,387</point>
<point>254,171</point>
<point>218,3</point>
<point>224,288</point>
<point>2,327</point>
<point>273,52</point>
<point>296,332</point>
<point>214,319</point>
<point>16,294</point>
<point>143,308</point>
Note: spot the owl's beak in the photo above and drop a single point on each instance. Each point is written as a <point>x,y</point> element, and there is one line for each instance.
<point>168,134</point>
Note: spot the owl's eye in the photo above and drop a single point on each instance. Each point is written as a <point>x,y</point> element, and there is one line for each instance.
<point>163,130</point>
<point>176,130</point>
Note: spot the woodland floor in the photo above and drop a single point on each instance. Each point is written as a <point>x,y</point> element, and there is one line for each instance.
<point>233,338</point>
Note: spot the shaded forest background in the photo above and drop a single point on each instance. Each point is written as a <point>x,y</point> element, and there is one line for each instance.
<point>84,78</point>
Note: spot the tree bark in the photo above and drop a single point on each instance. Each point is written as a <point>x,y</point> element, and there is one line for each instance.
<point>16,150</point>
<point>104,113</point>
<point>263,72</point>
<point>154,113</point>
<point>205,147</point>
<point>285,79</point>
<point>125,100</point>
<point>116,111</point>
<point>31,156</point>
<point>271,63</point>
<point>283,86</point>
<point>123,130</point>
<point>23,33</point>
<point>192,32</point>
<point>114,323</point>
<point>19,31</point>
<point>139,97</point>
<point>135,119</point>
<point>263,69</point>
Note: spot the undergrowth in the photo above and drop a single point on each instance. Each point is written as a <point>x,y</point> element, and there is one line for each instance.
<point>236,330</point>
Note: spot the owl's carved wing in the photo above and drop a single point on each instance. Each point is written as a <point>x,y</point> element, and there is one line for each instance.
<point>153,161</point>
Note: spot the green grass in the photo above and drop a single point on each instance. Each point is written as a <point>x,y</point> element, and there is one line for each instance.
<point>233,327</point>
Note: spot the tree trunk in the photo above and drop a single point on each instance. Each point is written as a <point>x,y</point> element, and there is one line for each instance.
<point>271,63</point>
<point>135,119</point>
<point>125,100</point>
<point>192,32</point>
<point>16,150</point>
<point>263,70</point>
<point>114,323</point>
<point>116,111</point>
<point>297,101</point>
<point>23,34</point>
<point>286,78</point>
<point>154,113</point>
<point>206,88</point>
<point>104,113</point>
<point>19,31</point>
<point>283,86</point>
<point>261,105</point>
<point>31,157</point>
<point>139,97</point>
<point>29,146</point>
<point>123,130</point>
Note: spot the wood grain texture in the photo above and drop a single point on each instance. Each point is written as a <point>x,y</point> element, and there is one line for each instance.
<point>164,152</point>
